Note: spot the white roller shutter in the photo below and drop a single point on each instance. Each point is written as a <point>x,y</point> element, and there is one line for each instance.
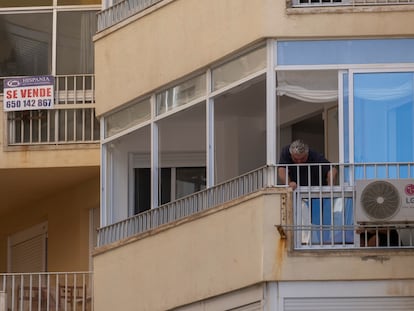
<point>27,250</point>
<point>349,303</point>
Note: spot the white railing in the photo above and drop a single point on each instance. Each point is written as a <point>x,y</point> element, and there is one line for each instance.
<point>72,120</point>
<point>121,11</point>
<point>324,216</point>
<point>61,291</point>
<point>313,3</point>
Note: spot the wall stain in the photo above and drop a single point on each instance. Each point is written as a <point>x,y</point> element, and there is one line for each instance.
<point>381,259</point>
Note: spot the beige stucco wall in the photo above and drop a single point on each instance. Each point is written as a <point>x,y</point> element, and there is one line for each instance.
<point>228,248</point>
<point>214,254</point>
<point>171,41</point>
<point>50,157</point>
<point>67,215</point>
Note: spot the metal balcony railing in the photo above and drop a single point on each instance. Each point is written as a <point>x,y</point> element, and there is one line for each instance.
<point>313,3</point>
<point>323,216</point>
<point>46,291</point>
<point>72,120</point>
<point>189,205</point>
<point>121,11</point>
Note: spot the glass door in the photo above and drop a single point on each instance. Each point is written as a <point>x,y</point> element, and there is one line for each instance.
<point>383,110</point>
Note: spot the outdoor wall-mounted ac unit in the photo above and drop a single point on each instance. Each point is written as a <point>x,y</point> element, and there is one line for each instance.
<point>380,201</point>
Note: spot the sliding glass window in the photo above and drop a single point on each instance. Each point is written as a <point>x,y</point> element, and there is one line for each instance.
<point>26,44</point>
<point>75,52</point>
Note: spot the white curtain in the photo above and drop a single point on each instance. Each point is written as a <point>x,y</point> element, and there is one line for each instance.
<point>88,29</point>
<point>310,86</point>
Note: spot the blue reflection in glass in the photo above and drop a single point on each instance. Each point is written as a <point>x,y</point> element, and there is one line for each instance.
<point>383,122</point>
<point>332,52</point>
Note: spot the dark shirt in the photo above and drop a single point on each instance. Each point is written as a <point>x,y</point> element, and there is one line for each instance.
<point>304,168</point>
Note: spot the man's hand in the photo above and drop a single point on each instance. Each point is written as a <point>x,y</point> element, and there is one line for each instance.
<point>331,176</point>
<point>293,185</point>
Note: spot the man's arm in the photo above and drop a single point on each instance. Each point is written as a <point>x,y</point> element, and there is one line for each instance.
<point>331,176</point>
<point>284,177</point>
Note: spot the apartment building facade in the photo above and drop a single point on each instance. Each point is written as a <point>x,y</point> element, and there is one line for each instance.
<point>196,101</point>
<point>49,158</point>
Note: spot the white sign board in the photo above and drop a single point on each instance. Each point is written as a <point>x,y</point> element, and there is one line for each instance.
<point>28,93</point>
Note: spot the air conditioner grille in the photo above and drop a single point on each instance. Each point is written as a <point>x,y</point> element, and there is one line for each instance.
<point>380,200</point>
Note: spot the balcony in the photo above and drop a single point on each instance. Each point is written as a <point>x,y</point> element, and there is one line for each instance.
<point>121,11</point>
<point>71,121</point>
<point>46,291</point>
<point>322,217</point>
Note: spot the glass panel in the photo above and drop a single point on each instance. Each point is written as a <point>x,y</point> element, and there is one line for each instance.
<point>128,178</point>
<point>239,68</point>
<point>25,41</point>
<point>189,180</point>
<point>182,144</point>
<point>327,212</point>
<point>181,94</point>
<point>383,119</point>
<point>303,96</point>
<point>127,117</point>
<point>142,193</point>
<point>345,52</point>
<point>347,172</point>
<point>240,131</point>
<point>345,99</point>
<point>22,3</point>
<point>75,53</point>
<point>78,2</point>
<point>165,189</point>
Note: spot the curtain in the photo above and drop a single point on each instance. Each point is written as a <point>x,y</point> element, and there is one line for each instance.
<point>88,29</point>
<point>309,86</point>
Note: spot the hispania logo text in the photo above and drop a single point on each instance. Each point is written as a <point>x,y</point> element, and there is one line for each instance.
<point>13,83</point>
<point>409,189</point>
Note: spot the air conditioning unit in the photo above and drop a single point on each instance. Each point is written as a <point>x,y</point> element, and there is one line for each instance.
<point>379,201</point>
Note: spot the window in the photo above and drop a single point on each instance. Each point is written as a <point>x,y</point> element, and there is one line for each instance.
<point>181,94</point>
<point>383,105</point>
<point>75,53</point>
<point>23,3</point>
<point>80,2</point>
<point>127,117</point>
<point>383,117</point>
<point>28,249</point>
<point>176,183</point>
<point>26,44</point>
<point>239,68</point>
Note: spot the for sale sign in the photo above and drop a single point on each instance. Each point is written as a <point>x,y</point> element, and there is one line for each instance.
<point>28,93</point>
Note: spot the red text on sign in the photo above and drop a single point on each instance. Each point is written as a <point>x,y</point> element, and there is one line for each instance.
<point>38,92</point>
<point>11,94</point>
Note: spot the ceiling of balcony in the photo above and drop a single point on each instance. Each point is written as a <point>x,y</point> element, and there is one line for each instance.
<point>20,188</point>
